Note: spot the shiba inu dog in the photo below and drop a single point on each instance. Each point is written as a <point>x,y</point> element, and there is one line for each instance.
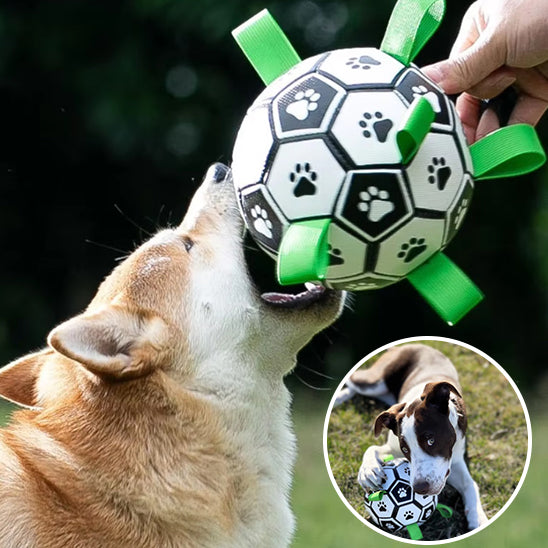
<point>158,417</point>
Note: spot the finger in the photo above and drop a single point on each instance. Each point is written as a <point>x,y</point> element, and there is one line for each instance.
<point>494,84</point>
<point>488,123</point>
<point>468,109</point>
<point>468,68</point>
<point>468,32</point>
<point>528,110</point>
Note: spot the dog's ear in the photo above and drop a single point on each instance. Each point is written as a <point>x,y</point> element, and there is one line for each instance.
<point>436,394</point>
<point>18,379</point>
<point>388,419</point>
<point>114,343</point>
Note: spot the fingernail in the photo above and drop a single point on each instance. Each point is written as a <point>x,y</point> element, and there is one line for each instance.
<point>433,72</point>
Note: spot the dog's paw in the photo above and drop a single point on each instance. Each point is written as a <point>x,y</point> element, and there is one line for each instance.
<point>476,518</point>
<point>371,474</point>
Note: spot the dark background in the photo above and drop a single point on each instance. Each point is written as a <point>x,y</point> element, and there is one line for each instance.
<point>110,113</point>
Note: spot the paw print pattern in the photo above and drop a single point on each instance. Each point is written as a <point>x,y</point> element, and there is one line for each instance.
<point>408,514</point>
<point>364,62</point>
<point>303,104</point>
<point>376,203</point>
<point>335,256</point>
<point>261,222</point>
<point>433,99</point>
<point>406,470</point>
<point>402,492</point>
<point>428,513</point>
<point>390,526</point>
<point>376,124</point>
<point>411,249</point>
<point>358,286</point>
<point>461,212</point>
<point>439,172</point>
<point>382,507</point>
<point>304,177</point>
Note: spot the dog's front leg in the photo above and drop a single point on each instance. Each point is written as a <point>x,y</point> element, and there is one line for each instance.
<point>462,481</point>
<point>371,474</point>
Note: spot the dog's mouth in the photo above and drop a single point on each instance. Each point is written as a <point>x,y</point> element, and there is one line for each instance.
<point>311,294</point>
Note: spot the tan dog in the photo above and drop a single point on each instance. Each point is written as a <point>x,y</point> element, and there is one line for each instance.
<point>159,417</point>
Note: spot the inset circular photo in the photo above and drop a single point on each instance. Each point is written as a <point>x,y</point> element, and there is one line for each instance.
<point>427,440</point>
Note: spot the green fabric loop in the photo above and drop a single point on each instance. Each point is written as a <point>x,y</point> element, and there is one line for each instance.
<point>414,128</point>
<point>388,458</point>
<point>446,288</point>
<point>414,531</point>
<point>445,511</point>
<point>411,25</point>
<point>266,46</point>
<point>303,255</point>
<point>377,495</point>
<point>508,151</point>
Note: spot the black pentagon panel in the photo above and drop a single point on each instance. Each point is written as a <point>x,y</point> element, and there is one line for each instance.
<point>264,223</point>
<point>375,202</point>
<point>401,492</point>
<point>306,106</point>
<point>390,525</point>
<point>458,211</point>
<point>414,84</point>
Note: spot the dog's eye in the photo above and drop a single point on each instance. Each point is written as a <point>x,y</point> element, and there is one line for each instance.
<point>405,450</point>
<point>188,243</point>
<point>430,441</point>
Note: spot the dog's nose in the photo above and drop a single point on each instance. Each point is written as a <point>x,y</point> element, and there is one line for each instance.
<point>217,173</point>
<point>421,487</point>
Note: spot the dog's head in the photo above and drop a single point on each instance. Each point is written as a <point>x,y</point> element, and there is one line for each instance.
<point>427,430</point>
<point>182,303</point>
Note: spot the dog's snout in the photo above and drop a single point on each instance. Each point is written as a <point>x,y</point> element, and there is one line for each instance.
<point>217,173</point>
<point>421,487</point>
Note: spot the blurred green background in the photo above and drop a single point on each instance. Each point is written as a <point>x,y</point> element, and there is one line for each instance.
<point>110,113</point>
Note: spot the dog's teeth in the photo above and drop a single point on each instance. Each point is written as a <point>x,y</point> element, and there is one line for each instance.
<point>310,286</point>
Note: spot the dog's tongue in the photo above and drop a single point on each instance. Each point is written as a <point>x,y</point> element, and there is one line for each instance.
<point>311,294</point>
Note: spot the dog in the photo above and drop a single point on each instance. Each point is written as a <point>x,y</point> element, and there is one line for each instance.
<point>159,416</point>
<point>426,423</point>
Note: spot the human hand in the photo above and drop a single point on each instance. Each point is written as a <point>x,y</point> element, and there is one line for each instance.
<point>500,43</point>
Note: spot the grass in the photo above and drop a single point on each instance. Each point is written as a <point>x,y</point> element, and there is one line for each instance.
<point>497,441</point>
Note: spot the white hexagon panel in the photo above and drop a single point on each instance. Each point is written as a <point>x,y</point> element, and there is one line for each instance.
<point>306,106</point>
<point>304,179</point>
<point>408,514</point>
<point>374,202</point>
<point>252,148</point>
<point>361,66</point>
<point>363,282</point>
<point>347,254</point>
<point>436,173</point>
<point>382,509</point>
<point>457,211</point>
<point>287,78</point>
<point>264,220</point>
<point>366,127</point>
<point>413,84</point>
<point>410,246</point>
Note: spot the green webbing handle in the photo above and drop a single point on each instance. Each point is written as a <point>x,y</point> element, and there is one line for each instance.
<point>508,151</point>
<point>414,128</point>
<point>411,25</point>
<point>445,511</point>
<point>414,531</point>
<point>377,495</point>
<point>303,254</point>
<point>446,288</point>
<point>266,46</point>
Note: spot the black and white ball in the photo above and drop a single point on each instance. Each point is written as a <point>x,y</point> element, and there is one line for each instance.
<point>320,141</point>
<point>400,506</point>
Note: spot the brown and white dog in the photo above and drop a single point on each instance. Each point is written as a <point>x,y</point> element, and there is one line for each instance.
<point>159,416</point>
<point>426,422</point>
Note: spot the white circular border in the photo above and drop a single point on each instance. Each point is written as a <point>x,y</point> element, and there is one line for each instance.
<point>527,420</point>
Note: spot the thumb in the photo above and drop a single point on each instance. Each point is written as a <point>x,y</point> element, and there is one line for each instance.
<point>469,67</point>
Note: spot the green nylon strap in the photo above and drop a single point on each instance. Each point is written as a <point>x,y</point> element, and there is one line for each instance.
<point>388,458</point>
<point>445,511</point>
<point>414,531</point>
<point>508,151</point>
<point>266,46</point>
<point>446,288</point>
<point>414,128</point>
<point>377,495</point>
<point>303,255</point>
<point>411,25</point>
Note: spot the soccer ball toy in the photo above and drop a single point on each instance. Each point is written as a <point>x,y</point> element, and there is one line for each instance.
<point>352,168</point>
<point>397,506</point>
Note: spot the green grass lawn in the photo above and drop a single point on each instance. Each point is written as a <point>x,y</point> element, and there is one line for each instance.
<point>497,441</point>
